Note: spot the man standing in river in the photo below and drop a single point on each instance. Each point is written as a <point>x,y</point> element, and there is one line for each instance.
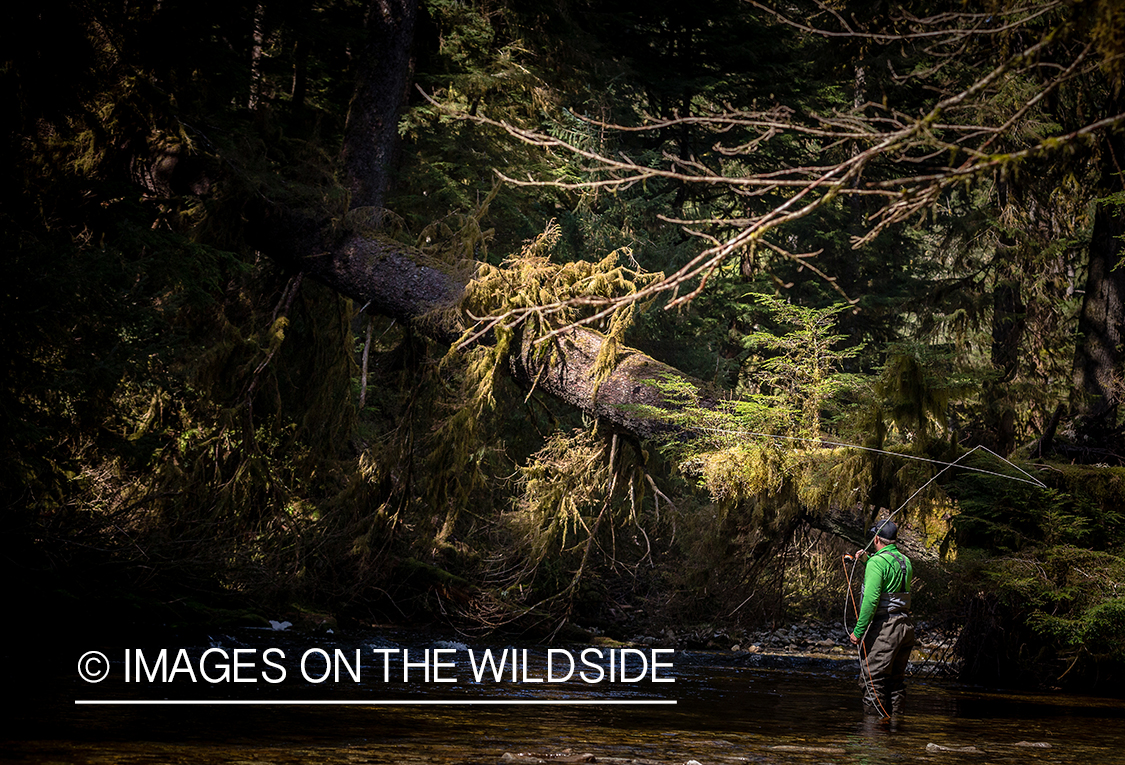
<point>884,631</point>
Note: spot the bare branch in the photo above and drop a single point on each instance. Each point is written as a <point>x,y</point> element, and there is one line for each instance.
<point>940,27</point>
<point>951,127</point>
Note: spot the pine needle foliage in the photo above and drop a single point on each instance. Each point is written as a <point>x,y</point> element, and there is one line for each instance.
<point>751,446</point>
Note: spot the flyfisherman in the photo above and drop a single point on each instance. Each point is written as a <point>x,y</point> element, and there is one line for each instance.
<point>884,630</point>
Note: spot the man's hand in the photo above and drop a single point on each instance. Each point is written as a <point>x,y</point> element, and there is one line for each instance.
<point>853,638</point>
<point>860,555</point>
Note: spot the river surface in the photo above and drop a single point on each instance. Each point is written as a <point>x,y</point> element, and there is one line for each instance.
<point>726,710</point>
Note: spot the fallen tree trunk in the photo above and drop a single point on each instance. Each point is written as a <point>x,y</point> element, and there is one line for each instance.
<point>387,277</point>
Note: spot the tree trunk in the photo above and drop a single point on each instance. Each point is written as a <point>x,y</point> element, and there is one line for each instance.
<point>1101,326</point>
<point>385,68</point>
<point>1008,325</point>
<point>256,59</point>
<point>1100,350</point>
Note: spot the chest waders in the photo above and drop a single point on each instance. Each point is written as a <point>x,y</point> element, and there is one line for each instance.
<point>885,649</point>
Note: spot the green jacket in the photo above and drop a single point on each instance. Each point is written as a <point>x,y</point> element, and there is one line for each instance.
<point>883,574</point>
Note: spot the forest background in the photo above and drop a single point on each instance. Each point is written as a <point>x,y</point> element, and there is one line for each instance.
<point>534,317</point>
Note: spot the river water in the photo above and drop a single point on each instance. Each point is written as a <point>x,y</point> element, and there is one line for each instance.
<point>726,710</point>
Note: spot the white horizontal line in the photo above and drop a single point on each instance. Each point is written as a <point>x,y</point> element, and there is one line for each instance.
<point>367,703</point>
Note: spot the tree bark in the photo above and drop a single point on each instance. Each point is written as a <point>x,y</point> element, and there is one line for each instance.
<point>568,374</point>
<point>256,58</point>
<point>1100,350</point>
<point>384,69</point>
<point>1101,326</point>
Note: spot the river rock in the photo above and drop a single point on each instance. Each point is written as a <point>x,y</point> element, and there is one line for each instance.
<point>955,749</point>
<point>807,749</point>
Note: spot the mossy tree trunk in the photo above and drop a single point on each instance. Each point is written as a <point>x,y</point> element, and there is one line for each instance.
<point>397,281</point>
